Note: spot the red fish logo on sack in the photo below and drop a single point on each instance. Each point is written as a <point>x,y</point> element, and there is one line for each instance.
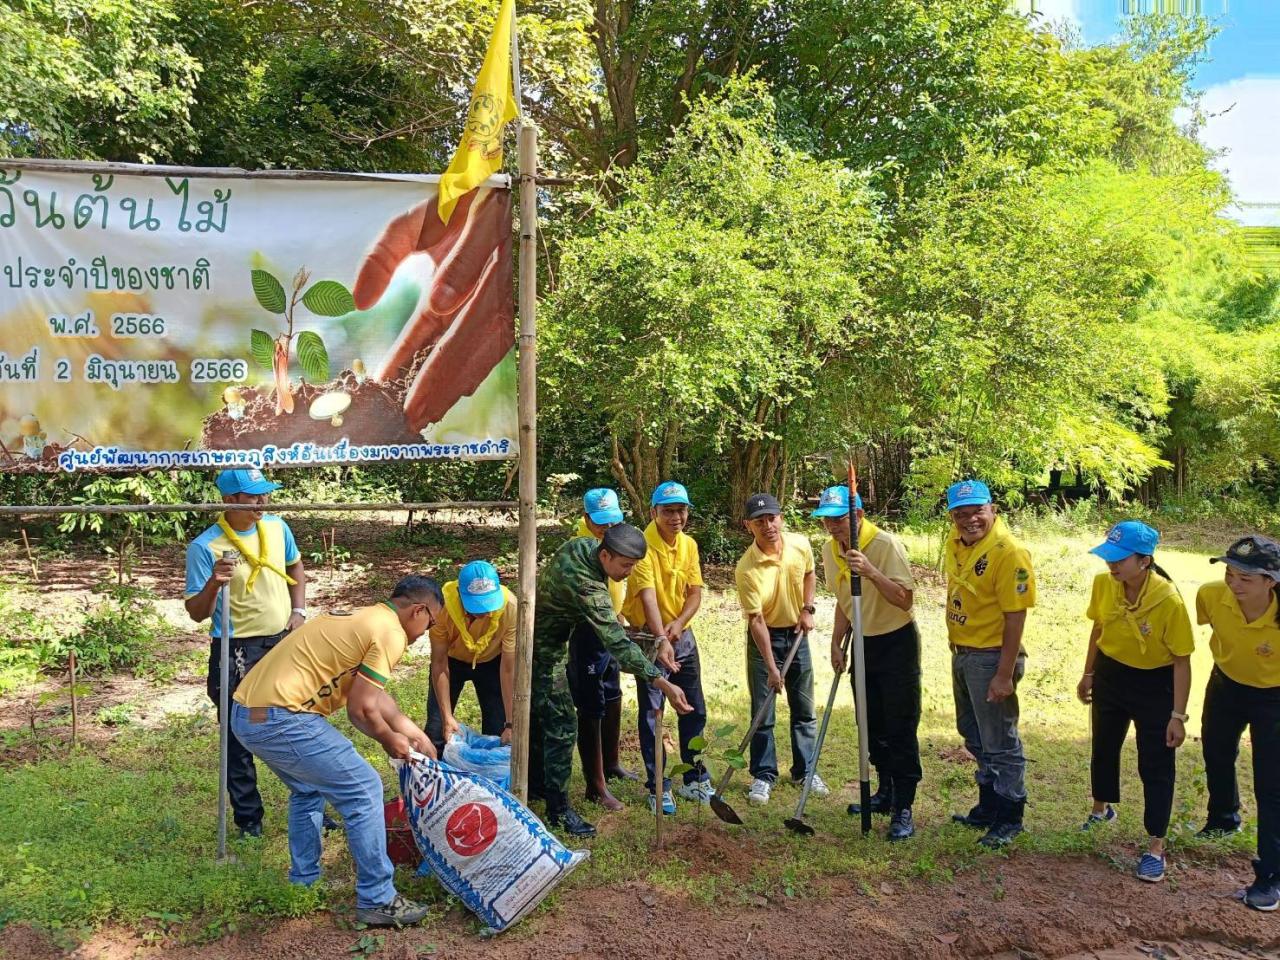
<point>471,829</point>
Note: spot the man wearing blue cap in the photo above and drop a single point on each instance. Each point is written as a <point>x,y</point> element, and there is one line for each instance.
<point>664,592</point>
<point>892,645</point>
<point>475,640</point>
<point>990,587</point>
<point>268,599</point>
<point>595,681</point>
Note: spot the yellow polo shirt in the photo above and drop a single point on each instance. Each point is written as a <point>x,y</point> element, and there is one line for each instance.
<point>669,570</point>
<point>312,669</point>
<point>774,586</point>
<point>984,582</point>
<point>1147,634</point>
<point>444,630</point>
<point>617,588</point>
<point>1246,651</point>
<point>889,556</point>
<point>264,610</point>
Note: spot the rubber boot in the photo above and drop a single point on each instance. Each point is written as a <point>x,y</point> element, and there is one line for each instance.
<point>593,764</point>
<point>983,815</point>
<point>1008,823</point>
<point>561,815</point>
<point>610,731</point>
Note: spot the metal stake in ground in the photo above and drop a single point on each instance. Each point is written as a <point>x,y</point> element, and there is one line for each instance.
<point>224,713</point>
<point>718,804</point>
<point>859,659</point>
<point>795,823</point>
<point>659,775</point>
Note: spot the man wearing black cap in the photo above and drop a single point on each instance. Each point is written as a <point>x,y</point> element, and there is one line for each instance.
<point>776,582</point>
<point>572,590</point>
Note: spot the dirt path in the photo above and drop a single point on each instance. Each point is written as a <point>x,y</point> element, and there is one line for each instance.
<point>1030,907</point>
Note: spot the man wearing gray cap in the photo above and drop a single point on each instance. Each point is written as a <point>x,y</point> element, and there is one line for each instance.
<point>572,590</point>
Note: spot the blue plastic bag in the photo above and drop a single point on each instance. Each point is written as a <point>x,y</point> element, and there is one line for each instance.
<point>479,754</point>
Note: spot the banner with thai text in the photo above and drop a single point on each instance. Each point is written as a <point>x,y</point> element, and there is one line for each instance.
<point>210,321</point>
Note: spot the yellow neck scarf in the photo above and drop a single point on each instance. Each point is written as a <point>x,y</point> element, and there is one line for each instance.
<point>453,606</point>
<point>959,576</point>
<point>669,564</point>
<point>256,563</point>
<point>1153,593</point>
<point>866,533</point>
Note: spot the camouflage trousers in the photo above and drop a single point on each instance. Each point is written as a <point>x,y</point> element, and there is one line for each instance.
<point>553,722</point>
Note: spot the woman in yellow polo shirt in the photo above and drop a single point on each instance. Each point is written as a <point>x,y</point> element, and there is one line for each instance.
<point>1244,690</point>
<point>1138,669</point>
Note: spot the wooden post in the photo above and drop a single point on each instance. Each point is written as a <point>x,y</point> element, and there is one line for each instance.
<point>659,775</point>
<point>31,558</point>
<point>75,712</point>
<point>527,140</point>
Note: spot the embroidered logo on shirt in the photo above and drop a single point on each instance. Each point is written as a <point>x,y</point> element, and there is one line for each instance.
<point>980,567</point>
<point>1263,649</point>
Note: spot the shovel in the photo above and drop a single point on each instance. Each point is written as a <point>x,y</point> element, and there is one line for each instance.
<point>719,806</point>
<point>795,823</point>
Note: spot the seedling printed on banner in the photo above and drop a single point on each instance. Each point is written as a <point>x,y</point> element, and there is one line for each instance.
<point>327,298</point>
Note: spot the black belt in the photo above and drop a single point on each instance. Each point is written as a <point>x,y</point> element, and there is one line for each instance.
<point>262,641</point>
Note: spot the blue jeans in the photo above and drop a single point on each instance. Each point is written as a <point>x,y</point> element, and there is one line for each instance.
<point>317,763</point>
<point>689,679</point>
<point>990,730</point>
<point>799,687</point>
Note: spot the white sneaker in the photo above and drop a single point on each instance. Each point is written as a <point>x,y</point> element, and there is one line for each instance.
<point>819,787</point>
<point>700,792</point>
<point>759,792</point>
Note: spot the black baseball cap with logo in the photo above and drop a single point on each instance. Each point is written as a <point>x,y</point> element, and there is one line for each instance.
<point>1253,554</point>
<point>761,505</point>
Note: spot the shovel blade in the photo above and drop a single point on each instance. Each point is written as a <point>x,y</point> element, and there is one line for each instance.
<point>796,825</point>
<point>724,811</point>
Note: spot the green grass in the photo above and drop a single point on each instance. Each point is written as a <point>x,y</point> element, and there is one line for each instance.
<point>127,834</point>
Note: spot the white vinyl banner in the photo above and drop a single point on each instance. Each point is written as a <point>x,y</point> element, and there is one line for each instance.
<point>181,321</point>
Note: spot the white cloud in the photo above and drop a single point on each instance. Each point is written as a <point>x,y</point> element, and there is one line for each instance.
<point>1244,121</point>
<point>1067,11</point>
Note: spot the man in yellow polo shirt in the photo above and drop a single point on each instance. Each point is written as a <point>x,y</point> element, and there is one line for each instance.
<point>664,592</point>
<point>268,599</point>
<point>475,640</point>
<point>776,583</point>
<point>892,645</point>
<point>990,587</point>
<point>280,714</point>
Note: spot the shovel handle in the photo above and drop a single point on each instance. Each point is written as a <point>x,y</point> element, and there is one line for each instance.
<point>801,637</point>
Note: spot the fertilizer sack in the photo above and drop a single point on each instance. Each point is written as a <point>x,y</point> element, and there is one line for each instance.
<point>486,848</point>
<point>474,752</point>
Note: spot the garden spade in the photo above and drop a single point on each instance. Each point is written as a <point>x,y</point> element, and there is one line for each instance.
<point>795,823</point>
<point>719,806</point>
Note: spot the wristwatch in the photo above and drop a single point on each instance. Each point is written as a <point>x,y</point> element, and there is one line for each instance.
<point>1175,715</point>
<point>507,725</point>
<point>809,608</point>
<point>300,611</point>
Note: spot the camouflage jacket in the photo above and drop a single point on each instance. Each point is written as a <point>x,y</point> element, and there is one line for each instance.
<point>573,589</point>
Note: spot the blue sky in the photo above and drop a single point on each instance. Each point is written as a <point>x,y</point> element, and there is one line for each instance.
<point>1240,83</point>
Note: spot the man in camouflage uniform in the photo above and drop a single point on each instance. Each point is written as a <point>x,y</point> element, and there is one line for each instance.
<point>573,589</point>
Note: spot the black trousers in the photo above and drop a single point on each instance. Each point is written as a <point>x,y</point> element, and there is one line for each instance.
<point>893,710</point>
<point>242,775</point>
<point>1229,707</point>
<point>487,679</point>
<point>1121,695</point>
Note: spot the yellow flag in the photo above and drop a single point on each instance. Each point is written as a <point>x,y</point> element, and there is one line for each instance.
<point>493,103</point>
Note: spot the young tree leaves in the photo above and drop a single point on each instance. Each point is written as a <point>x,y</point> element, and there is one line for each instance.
<point>312,356</point>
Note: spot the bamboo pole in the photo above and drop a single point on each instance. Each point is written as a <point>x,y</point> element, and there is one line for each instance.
<point>528,414</point>
<point>75,710</point>
<point>31,557</point>
<point>116,508</point>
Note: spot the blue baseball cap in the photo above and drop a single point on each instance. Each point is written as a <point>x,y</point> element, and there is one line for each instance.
<point>967,493</point>
<point>244,481</point>
<point>669,492</point>
<point>1125,539</point>
<point>601,506</point>
<point>834,502</point>
<point>479,588</point>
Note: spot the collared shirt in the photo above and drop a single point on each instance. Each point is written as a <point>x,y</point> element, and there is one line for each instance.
<point>774,586</point>
<point>312,669</point>
<point>444,630</point>
<point>1247,651</point>
<point>1146,634</point>
<point>889,556</point>
<point>571,591</point>
<point>266,610</point>
<point>984,582</point>
<point>617,588</point>
<point>669,570</point>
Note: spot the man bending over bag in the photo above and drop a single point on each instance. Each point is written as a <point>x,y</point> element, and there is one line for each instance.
<point>280,713</point>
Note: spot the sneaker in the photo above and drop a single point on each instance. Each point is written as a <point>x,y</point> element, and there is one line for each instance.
<point>668,804</point>
<point>398,913</point>
<point>1150,868</point>
<point>901,826</point>
<point>1106,816</point>
<point>1007,825</point>
<point>758,792</point>
<point>818,788</point>
<point>700,792</point>
<point>1264,893</point>
<point>1213,830</point>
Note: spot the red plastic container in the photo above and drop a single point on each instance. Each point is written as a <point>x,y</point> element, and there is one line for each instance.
<point>401,847</point>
